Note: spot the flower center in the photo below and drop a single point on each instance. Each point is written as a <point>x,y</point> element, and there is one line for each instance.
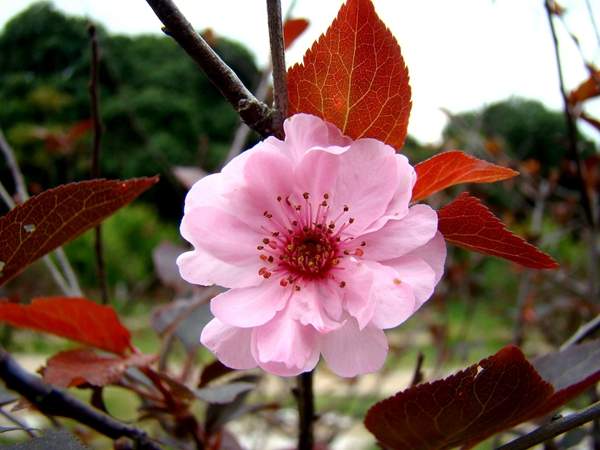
<point>309,253</point>
<point>306,240</point>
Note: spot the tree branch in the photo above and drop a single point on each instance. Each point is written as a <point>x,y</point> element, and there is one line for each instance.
<point>95,172</point>
<point>253,112</point>
<point>570,122</point>
<point>280,93</point>
<point>53,402</point>
<point>306,411</point>
<point>554,428</point>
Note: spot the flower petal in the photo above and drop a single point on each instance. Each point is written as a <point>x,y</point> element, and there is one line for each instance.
<point>221,234</point>
<point>358,300</point>
<point>350,351</point>
<point>305,131</point>
<point>398,206</point>
<point>399,237</point>
<point>316,174</point>
<point>367,181</point>
<point>434,254</point>
<point>307,305</point>
<point>394,299</point>
<point>200,267</point>
<point>415,272</point>
<point>250,307</point>
<point>230,344</point>
<point>284,346</point>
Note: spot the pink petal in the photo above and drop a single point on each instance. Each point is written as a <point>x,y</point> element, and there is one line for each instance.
<point>307,305</point>
<point>231,345</point>
<point>304,132</point>
<point>367,181</point>
<point>221,234</point>
<point>284,346</point>
<point>358,300</point>
<point>434,254</point>
<point>268,174</point>
<point>398,206</point>
<point>200,267</point>
<point>394,299</point>
<point>205,192</point>
<point>316,174</point>
<point>399,237</point>
<point>350,351</point>
<point>415,272</point>
<point>252,306</point>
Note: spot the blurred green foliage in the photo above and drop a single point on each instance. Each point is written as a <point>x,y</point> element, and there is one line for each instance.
<point>158,109</point>
<point>524,128</point>
<point>129,237</point>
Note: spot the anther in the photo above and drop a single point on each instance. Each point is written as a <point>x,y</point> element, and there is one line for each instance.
<point>283,282</point>
<point>346,209</point>
<point>324,203</point>
<point>363,243</point>
<point>275,233</point>
<point>296,288</point>
<point>358,252</point>
<point>397,281</point>
<point>279,198</point>
<point>342,284</point>
<point>270,259</point>
<point>260,247</point>
<point>325,195</point>
<point>351,220</point>
<point>305,195</point>
<point>266,241</point>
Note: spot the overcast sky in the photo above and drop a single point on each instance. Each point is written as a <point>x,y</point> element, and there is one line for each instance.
<point>461,54</point>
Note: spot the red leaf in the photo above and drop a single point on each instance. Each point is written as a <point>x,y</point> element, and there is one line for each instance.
<point>74,318</point>
<point>354,77</point>
<point>454,167</point>
<point>76,367</point>
<point>468,223</point>
<point>590,88</point>
<point>292,29</point>
<point>58,215</point>
<point>500,392</point>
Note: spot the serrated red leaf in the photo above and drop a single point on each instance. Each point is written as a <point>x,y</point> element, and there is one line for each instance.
<point>354,76</point>
<point>76,367</point>
<point>468,223</point>
<point>73,318</point>
<point>500,392</point>
<point>454,167</point>
<point>292,29</point>
<point>48,220</point>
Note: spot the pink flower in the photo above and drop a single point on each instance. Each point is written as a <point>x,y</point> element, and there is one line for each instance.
<point>321,251</point>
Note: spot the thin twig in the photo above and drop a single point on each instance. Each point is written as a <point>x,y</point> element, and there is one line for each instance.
<point>306,411</point>
<point>96,149</point>
<point>54,402</point>
<point>593,20</point>
<point>18,422</point>
<point>418,373</point>
<point>570,122</point>
<point>582,332</point>
<point>70,285</point>
<point>253,112</point>
<point>15,170</point>
<point>280,94</point>
<point>554,428</point>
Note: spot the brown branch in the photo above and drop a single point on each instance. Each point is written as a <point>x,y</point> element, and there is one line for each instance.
<point>554,428</point>
<point>53,402</point>
<point>253,112</point>
<point>280,94</point>
<point>573,146</point>
<point>418,373</point>
<point>95,172</point>
<point>306,411</point>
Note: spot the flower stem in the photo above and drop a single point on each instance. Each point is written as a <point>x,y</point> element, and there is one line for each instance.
<point>306,411</point>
